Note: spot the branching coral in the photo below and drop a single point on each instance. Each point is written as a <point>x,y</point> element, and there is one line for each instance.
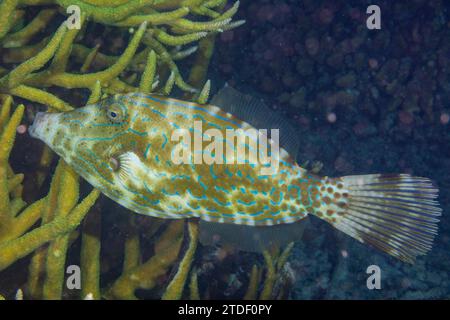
<point>27,79</point>
<point>59,211</point>
<point>50,69</point>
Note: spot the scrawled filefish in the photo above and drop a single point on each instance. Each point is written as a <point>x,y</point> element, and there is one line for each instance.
<point>124,146</point>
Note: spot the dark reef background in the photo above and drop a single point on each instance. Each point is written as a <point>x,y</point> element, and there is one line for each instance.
<point>364,101</point>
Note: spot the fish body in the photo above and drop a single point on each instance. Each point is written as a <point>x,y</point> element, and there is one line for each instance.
<point>124,146</point>
<point>131,162</point>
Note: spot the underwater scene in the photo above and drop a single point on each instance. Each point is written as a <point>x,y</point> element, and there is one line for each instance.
<point>224,150</point>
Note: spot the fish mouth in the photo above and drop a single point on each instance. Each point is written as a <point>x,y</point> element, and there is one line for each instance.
<point>37,123</point>
<point>43,121</point>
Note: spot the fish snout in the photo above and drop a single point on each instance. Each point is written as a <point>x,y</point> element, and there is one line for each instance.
<point>42,121</point>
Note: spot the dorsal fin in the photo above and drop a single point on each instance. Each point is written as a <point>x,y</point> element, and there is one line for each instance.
<point>256,113</point>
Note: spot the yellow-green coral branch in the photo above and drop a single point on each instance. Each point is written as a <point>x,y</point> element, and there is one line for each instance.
<point>64,202</point>
<point>90,256</point>
<point>36,2</point>
<point>132,254</point>
<point>16,76</point>
<point>14,182</point>
<point>19,55</point>
<point>184,25</point>
<point>18,248</point>
<point>154,18</point>
<point>107,13</point>
<point>118,86</point>
<point>270,277</point>
<point>205,11</point>
<point>252,289</point>
<point>149,73</point>
<point>167,59</point>
<point>69,80</point>
<point>9,134</point>
<point>169,84</point>
<point>145,275</point>
<point>204,94</point>
<point>171,40</point>
<point>202,59</point>
<point>194,293</point>
<point>7,8</point>
<point>5,111</point>
<point>96,93</point>
<point>56,259</point>
<point>175,288</point>
<point>24,35</point>
<point>28,218</point>
<point>61,57</point>
<point>36,271</point>
<point>281,261</point>
<point>181,54</point>
<point>81,54</point>
<point>89,59</point>
<point>214,3</point>
<point>41,96</point>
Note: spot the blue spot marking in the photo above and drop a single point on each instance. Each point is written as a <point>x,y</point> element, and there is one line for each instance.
<point>107,124</point>
<point>201,183</point>
<point>299,193</point>
<point>279,201</point>
<point>228,172</point>
<point>105,138</point>
<point>159,113</point>
<point>252,180</point>
<point>192,207</point>
<point>147,150</point>
<point>152,202</point>
<point>272,190</point>
<point>195,197</point>
<point>92,166</point>
<point>193,107</point>
<point>165,141</point>
<point>142,134</point>
<point>77,122</point>
<point>211,170</point>
<point>147,188</point>
<point>180,176</point>
<point>169,194</point>
<point>224,204</point>
<point>222,189</point>
<point>246,203</point>
<point>181,114</point>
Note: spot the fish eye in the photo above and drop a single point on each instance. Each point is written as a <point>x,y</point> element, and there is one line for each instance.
<point>115,113</point>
